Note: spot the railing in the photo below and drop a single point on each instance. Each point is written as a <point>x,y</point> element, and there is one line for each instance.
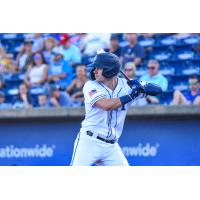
<point>140,111</point>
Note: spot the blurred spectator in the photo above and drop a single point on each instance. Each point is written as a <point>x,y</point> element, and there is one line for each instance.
<point>129,70</point>
<point>94,41</point>
<point>13,68</point>
<point>58,98</point>
<point>148,35</point>
<point>182,35</point>
<point>76,88</point>
<point>2,53</point>
<point>60,72</point>
<point>1,81</point>
<point>5,62</point>
<point>78,40</point>
<point>154,76</point>
<point>23,59</point>
<point>77,45</point>
<point>49,44</point>
<point>71,52</point>
<point>114,45</point>
<point>3,105</point>
<point>2,59</point>
<point>191,96</point>
<point>43,101</point>
<point>133,52</point>
<point>38,43</point>
<point>37,74</point>
<point>5,65</point>
<point>23,98</point>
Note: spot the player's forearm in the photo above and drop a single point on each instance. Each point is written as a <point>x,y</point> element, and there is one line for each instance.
<point>109,104</point>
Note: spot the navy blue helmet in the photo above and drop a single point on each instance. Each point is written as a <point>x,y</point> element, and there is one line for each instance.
<point>109,62</point>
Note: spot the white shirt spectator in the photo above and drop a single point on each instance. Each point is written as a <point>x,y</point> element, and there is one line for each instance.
<point>36,73</point>
<point>22,61</point>
<point>94,41</point>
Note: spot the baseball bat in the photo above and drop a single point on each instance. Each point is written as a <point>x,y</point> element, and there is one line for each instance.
<point>150,88</point>
<point>126,77</point>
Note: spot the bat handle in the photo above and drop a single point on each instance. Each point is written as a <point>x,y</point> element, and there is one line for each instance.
<point>126,77</point>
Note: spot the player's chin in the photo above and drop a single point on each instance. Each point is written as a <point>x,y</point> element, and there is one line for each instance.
<point>97,78</point>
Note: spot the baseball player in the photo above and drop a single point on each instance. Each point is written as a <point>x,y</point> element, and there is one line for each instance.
<point>107,99</point>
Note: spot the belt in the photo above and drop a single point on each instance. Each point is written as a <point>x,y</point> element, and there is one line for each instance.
<point>100,138</point>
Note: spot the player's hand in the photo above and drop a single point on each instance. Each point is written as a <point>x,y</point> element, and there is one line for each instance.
<point>151,89</point>
<point>146,88</point>
<point>136,91</point>
<point>136,84</point>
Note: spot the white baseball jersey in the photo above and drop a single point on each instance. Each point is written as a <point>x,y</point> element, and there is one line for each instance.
<point>106,124</point>
<point>109,124</point>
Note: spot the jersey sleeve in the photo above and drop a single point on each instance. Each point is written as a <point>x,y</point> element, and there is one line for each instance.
<point>93,93</point>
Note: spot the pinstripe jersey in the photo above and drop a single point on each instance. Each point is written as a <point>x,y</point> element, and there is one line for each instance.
<point>108,124</point>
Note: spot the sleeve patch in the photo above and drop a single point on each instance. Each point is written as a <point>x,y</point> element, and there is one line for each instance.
<point>92,92</point>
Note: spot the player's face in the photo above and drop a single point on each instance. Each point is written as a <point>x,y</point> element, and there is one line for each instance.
<point>98,75</point>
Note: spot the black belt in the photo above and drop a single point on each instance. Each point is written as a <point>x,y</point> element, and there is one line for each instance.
<point>100,138</point>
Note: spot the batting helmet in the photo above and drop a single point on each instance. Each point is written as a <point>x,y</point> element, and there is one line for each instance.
<point>109,62</point>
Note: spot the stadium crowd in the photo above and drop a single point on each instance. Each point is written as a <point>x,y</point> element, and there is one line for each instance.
<point>50,70</point>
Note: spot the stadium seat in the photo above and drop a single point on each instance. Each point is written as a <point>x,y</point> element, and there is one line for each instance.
<point>170,41</point>
<point>196,57</point>
<point>182,55</point>
<point>147,42</point>
<point>14,80</point>
<point>166,97</point>
<point>162,56</point>
<point>9,36</point>
<point>181,45</point>
<point>180,82</point>
<point>167,71</point>
<point>185,55</point>
<point>11,95</point>
<point>191,70</point>
<point>192,40</point>
<point>34,92</point>
<point>141,71</point>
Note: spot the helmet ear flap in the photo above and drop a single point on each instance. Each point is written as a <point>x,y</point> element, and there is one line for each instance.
<point>92,76</point>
